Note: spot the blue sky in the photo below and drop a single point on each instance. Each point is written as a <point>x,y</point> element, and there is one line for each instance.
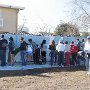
<point>37,12</point>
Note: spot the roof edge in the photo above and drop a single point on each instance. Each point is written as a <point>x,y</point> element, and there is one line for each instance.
<point>12,7</point>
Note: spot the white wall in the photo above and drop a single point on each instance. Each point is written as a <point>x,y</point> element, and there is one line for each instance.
<point>37,40</point>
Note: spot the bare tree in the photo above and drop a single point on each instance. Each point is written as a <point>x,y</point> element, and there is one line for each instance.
<point>22,26</point>
<point>82,14</point>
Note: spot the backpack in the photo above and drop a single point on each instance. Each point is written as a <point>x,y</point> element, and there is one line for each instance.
<point>29,49</point>
<point>23,46</point>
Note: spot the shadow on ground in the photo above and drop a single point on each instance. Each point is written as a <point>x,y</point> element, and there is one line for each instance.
<point>38,72</point>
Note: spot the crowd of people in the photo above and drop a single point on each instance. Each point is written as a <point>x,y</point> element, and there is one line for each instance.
<point>70,54</point>
<point>62,54</point>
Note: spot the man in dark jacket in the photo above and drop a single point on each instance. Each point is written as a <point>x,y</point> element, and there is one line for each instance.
<point>3,46</point>
<point>23,47</point>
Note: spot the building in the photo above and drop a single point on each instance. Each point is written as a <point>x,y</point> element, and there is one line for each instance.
<point>9,18</point>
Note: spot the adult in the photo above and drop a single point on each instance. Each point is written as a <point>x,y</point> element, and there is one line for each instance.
<point>82,44</point>
<point>3,47</point>
<point>87,50</point>
<point>11,51</point>
<point>73,52</point>
<point>87,45</point>
<point>29,51</point>
<point>78,44</point>
<point>37,54</point>
<point>23,47</point>
<point>43,51</point>
<point>67,53</point>
<point>33,45</point>
<point>60,48</point>
<point>52,47</point>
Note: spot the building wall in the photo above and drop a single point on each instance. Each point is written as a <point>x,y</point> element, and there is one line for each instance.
<point>9,17</point>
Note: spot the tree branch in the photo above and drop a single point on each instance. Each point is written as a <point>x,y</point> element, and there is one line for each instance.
<point>86,2</point>
<point>81,7</point>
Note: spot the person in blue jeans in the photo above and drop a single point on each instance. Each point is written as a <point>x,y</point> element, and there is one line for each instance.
<point>23,47</point>
<point>52,47</point>
<point>87,51</point>
<point>60,48</point>
<point>61,58</point>
<point>3,47</point>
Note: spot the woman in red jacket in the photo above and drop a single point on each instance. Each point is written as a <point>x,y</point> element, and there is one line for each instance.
<point>73,52</point>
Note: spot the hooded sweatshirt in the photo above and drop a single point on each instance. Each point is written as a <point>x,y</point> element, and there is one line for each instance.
<point>73,48</point>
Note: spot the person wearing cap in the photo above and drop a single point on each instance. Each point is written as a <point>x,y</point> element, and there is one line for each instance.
<point>3,47</point>
<point>87,50</point>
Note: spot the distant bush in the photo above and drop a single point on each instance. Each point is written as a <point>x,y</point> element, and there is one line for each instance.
<point>84,34</point>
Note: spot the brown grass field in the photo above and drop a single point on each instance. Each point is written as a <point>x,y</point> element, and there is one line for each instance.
<point>67,78</point>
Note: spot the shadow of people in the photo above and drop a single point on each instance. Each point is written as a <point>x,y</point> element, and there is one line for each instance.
<point>39,72</point>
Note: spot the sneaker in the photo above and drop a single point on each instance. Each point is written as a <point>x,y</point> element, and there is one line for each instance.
<point>59,65</point>
<point>62,65</point>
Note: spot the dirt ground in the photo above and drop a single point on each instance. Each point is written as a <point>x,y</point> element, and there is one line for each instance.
<point>72,78</point>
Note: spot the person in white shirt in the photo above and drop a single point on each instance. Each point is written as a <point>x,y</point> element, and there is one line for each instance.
<point>87,50</point>
<point>60,48</point>
<point>87,45</point>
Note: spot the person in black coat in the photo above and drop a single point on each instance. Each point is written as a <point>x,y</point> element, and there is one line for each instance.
<point>3,47</point>
<point>23,47</point>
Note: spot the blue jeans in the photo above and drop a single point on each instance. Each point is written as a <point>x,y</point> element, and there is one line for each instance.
<point>23,55</point>
<point>61,58</point>
<point>87,61</point>
<point>3,57</point>
<point>52,57</point>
